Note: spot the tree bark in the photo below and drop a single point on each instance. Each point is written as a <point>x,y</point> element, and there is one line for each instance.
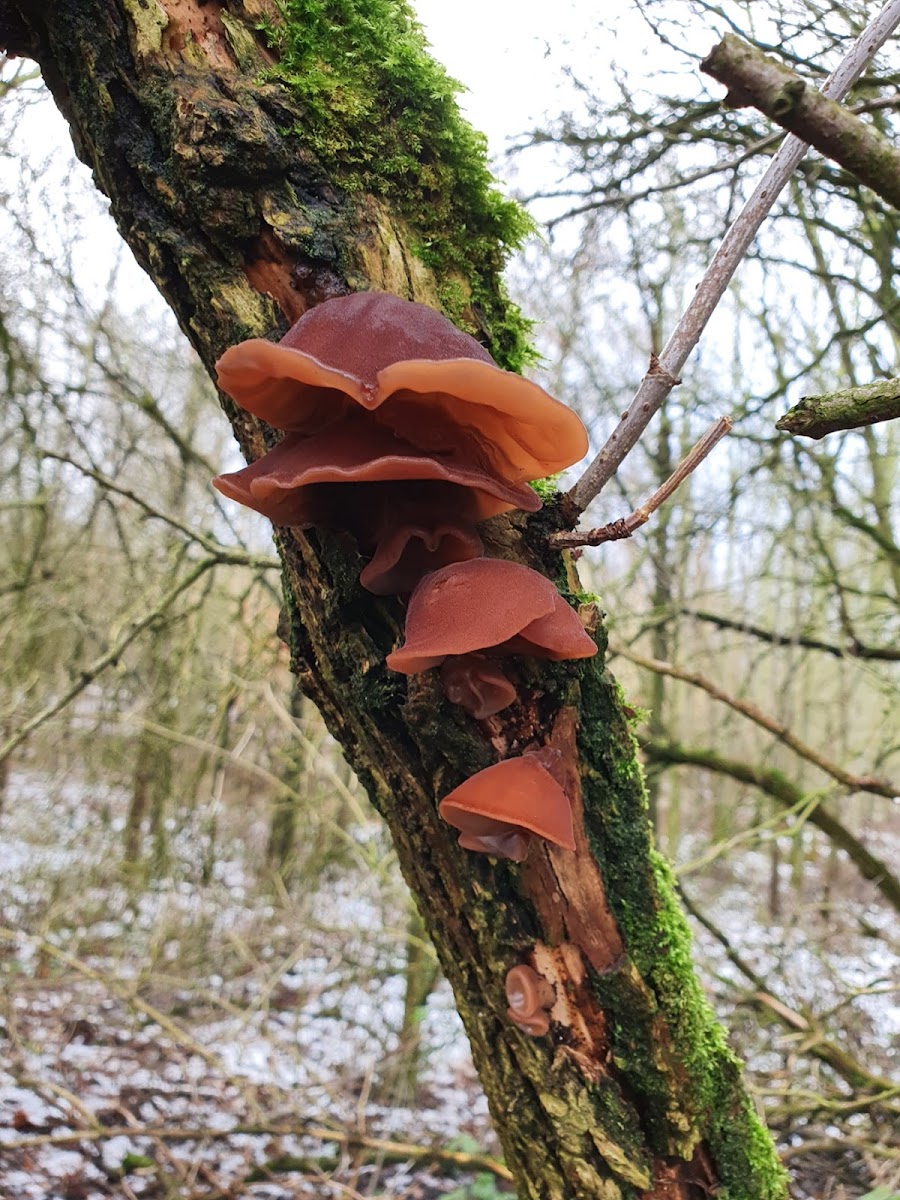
<point>852,408</point>
<point>753,78</point>
<point>247,202</point>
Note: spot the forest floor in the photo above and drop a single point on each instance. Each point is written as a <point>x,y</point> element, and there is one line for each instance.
<point>199,1038</point>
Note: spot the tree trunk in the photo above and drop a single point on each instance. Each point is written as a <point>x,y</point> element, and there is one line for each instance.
<point>249,196</point>
<point>281,847</point>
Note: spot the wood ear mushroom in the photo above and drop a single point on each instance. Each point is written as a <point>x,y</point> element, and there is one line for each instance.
<point>530,999</point>
<point>500,809</point>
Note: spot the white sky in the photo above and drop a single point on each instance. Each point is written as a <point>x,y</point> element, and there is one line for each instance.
<point>509,54</point>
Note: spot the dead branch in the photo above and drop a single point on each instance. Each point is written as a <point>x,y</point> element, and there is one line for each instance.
<point>853,648</point>
<point>755,80</point>
<point>626,526</point>
<point>395,1151</point>
<point>856,783</point>
<point>656,385</point>
<point>132,629</point>
<point>776,785</point>
<point>839,1059</point>
<point>852,408</point>
<point>224,554</point>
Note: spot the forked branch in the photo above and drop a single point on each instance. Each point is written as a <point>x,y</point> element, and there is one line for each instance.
<point>625,526</point>
<point>657,383</point>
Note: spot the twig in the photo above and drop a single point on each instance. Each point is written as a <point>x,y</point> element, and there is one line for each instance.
<point>840,1146</point>
<point>853,649</point>
<point>755,80</point>
<point>663,375</point>
<point>626,526</point>
<point>229,755</point>
<point>853,408</point>
<point>818,1045</point>
<point>775,784</point>
<point>349,1141</point>
<point>179,1035</point>
<point>225,554</point>
<point>856,783</point>
<point>85,677</point>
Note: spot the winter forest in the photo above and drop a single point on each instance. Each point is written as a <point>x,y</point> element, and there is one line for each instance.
<point>242,953</point>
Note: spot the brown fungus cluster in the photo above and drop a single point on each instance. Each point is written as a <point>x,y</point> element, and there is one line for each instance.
<point>399,428</point>
<point>402,431</point>
<point>465,616</point>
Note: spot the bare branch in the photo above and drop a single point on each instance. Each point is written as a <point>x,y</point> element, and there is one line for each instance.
<point>656,385</point>
<point>852,408</point>
<point>626,526</point>
<point>856,783</point>
<point>224,554</point>
<point>820,1046</point>
<point>853,648</point>
<point>386,1150</point>
<point>754,79</point>
<point>112,653</point>
<point>776,785</point>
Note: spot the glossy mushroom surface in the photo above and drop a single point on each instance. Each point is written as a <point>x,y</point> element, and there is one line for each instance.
<point>530,998</point>
<point>419,529</point>
<point>412,511</point>
<point>558,635</point>
<point>416,373</point>
<point>356,452</point>
<point>470,606</point>
<point>500,809</point>
<point>488,605</point>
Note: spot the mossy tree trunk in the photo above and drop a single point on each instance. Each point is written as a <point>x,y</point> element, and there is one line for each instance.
<point>252,179</point>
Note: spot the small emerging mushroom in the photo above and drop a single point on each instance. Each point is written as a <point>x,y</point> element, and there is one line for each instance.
<point>414,511</point>
<point>476,684</point>
<point>500,809</point>
<point>416,373</point>
<point>488,605</point>
<point>530,999</point>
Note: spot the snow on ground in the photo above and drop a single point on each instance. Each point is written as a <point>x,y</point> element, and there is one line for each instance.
<point>239,1023</point>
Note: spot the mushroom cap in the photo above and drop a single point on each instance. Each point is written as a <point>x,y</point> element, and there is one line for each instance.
<point>486,604</point>
<point>409,549</point>
<point>417,511</point>
<point>416,371</point>
<point>476,684</point>
<point>558,635</point>
<point>358,452</point>
<point>518,795</point>
<point>530,998</point>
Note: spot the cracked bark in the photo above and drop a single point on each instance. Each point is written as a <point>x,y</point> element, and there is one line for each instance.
<point>634,1093</point>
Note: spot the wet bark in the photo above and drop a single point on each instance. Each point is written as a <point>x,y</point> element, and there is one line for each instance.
<point>243,226</point>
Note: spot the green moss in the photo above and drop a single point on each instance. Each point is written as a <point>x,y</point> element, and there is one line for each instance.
<point>381,116</point>
<point>546,488</point>
<point>685,1058</point>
